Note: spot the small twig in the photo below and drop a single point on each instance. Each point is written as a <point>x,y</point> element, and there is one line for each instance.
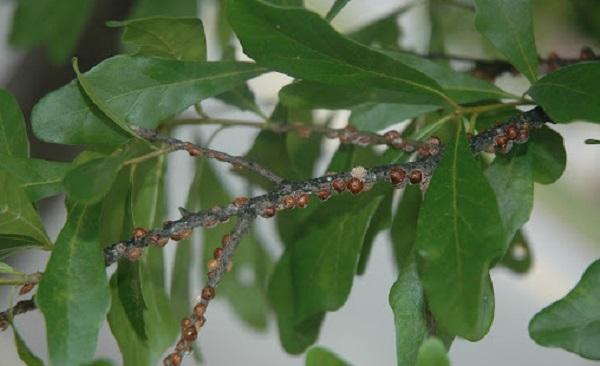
<point>195,150</point>
<point>221,263</point>
<point>21,307</point>
<point>348,135</point>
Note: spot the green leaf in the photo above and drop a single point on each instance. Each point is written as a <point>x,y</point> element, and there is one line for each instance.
<point>73,294</point>
<point>459,235</point>
<point>301,44</point>
<point>592,142</point>
<point>511,178</point>
<point>24,352</point>
<point>39,178</point>
<point>92,180</point>
<point>549,158</point>
<point>312,95</point>
<point>131,296</point>
<point>573,322</point>
<point>433,353</point>
<point>319,356</point>
<point>376,117</point>
<point>404,225</point>
<point>20,224</point>
<point>408,304</point>
<point>461,87</point>
<point>13,135</point>
<point>150,91</point>
<point>518,256</point>
<point>295,337</point>
<point>56,25</point>
<point>337,6</point>
<point>175,38</point>
<point>176,8</point>
<point>90,92</point>
<point>508,25</point>
<point>382,220</point>
<point>325,256</point>
<point>144,336</point>
<point>570,93</point>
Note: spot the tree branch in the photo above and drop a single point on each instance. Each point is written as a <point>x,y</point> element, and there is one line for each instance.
<point>289,195</point>
<point>220,264</point>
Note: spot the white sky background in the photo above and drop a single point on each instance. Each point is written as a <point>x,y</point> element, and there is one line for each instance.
<point>362,332</point>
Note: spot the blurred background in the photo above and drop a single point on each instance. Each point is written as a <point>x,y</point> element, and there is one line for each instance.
<point>563,232</point>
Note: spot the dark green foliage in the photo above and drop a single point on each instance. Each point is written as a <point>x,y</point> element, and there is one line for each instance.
<point>447,232</point>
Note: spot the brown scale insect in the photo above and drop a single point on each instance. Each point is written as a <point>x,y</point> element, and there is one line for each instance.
<point>288,202</point>
<point>138,233</point>
<point>302,200</point>
<point>338,184</point>
<point>390,136</point>
<point>158,240</point>
<point>225,240</point>
<point>208,293</point>
<point>512,132</point>
<point>501,141</point>
<point>240,201</point>
<point>415,176</point>
<point>212,265</point>
<point>355,185</point>
<point>324,194</point>
<point>217,253</point>
<point>268,212</point>
<point>182,234</point>
<point>185,323</point>
<point>199,310</point>
<point>26,288</point>
<point>190,334</point>
<point>397,176</point>
<point>174,359</point>
<point>194,151</point>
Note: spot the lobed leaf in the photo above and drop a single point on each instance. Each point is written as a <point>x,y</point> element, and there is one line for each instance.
<point>459,235</point>
<point>73,294</point>
<point>508,25</point>
<point>573,322</point>
<point>151,91</point>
